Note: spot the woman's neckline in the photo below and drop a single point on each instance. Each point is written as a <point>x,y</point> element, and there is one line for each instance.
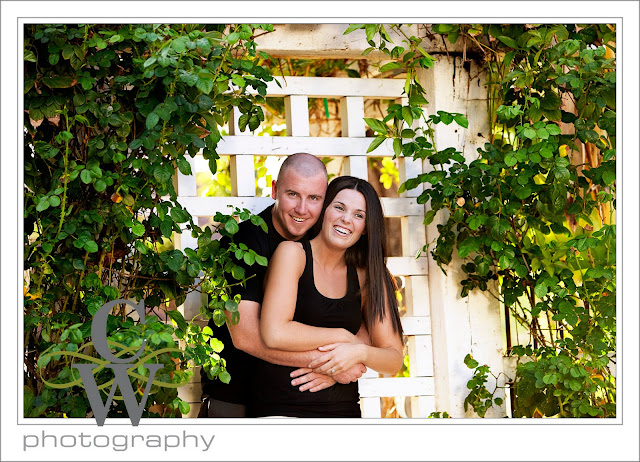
<point>313,279</point>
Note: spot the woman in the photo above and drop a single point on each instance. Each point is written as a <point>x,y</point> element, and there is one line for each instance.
<point>317,294</point>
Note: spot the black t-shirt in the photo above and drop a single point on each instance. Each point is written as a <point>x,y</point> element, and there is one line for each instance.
<point>240,365</point>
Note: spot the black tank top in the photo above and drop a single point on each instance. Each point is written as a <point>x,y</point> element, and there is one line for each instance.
<point>273,392</point>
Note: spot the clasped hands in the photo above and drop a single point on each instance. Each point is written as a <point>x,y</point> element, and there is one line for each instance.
<point>342,363</point>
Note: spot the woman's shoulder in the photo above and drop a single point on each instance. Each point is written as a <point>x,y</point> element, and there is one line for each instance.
<point>290,249</point>
<point>289,258</point>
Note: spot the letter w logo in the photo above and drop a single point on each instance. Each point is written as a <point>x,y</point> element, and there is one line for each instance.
<point>121,380</point>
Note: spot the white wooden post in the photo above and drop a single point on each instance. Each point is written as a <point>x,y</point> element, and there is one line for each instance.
<point>471,324</point>
<point>185,186</point>
<point>353,126</point>
<point>297,115</point>
<point>242,167</point>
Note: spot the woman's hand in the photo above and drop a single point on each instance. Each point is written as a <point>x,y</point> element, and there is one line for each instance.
<point>339,358</point>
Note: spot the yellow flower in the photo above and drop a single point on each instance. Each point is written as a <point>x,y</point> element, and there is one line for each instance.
<point>563,150</point>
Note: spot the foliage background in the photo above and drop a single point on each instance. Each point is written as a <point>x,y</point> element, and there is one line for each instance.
<point>111,111</point>
<point>535,212</point>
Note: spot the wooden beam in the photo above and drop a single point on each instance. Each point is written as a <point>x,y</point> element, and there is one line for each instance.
<point>400,386</point>
<point>287,145</point>
<point>320,41</point>
<point>334,87</point>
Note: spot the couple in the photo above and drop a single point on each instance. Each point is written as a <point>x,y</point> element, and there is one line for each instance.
<point>323,310</point>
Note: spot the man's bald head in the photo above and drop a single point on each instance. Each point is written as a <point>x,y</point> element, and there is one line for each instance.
<point>303,164</point>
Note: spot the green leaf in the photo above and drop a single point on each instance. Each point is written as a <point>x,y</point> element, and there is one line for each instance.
<point>262,261</point>
<point>219,318</point>
<point>161,174</point>
<point>175,260</point>
<point>184,166</point>
<point>504,262</point>
<point>542,133</point>
<point>541,290</point>
<point>510,160</point>
<point>561,173</point>
<point>152,120</point>
<point>100,185</point>
<point>407,115</point>
<point>29,56</point>
<point>461,120</point>
<point>249,258</point>
<point>524,192</point>
<point>237,272</point>
<point>470,362</point>
<point>43,204</point>
<point>609,176</point>
<point>389,66</point>
<point>166,227</point>
<point>59,81</point>
<point>204,84</point>
<point>553,129</point>
<point>184,407</point>
<point>445,117</point>
<point>508,41</point>
<point>216,345</point>
<point>138,229</point>
<point>397,146</point>
<point>376,125</point>
<point>224,377</point>
<point>90,246</point>
<point>237,80</point>
<point>149,62</point>
<point>375,143</point>
<point>178,44</point>
<point>352,27</point>
<point>475,221</point>
<point>231,226</point>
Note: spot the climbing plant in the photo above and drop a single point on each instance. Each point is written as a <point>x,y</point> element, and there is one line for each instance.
<point>112,112</point>
<point>535,210</point>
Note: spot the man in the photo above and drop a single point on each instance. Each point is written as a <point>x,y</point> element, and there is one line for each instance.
<point>299,194</point>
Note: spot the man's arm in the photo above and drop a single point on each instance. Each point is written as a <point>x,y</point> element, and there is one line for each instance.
<point>314,381</point>
<point>246,337</point>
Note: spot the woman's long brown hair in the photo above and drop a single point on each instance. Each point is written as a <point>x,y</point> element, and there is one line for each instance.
<point>369,253</point>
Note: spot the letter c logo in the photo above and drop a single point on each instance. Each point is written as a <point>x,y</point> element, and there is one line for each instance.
<point>99,331</point>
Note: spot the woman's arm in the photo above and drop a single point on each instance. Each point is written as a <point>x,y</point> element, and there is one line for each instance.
<point>277,327</point>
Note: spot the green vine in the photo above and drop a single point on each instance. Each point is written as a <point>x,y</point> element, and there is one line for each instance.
<point>531,212</point>
<point>112,111</point>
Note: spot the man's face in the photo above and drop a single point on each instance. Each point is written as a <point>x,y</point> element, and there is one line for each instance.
<point>298,203</point>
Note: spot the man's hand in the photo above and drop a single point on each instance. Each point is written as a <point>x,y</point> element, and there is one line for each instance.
<point>310,380</point>
<point>351,375</point>
<point>313,381</point>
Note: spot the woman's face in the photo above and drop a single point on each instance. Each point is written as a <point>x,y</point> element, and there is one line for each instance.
<point>345,218</point>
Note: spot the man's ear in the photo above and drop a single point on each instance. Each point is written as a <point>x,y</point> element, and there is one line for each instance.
<point>274,189</point>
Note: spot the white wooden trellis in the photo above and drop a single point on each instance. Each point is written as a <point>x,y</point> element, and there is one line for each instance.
<point>351,147</point>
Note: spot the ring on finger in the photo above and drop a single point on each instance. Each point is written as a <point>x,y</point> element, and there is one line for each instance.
<point>332,370</point>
